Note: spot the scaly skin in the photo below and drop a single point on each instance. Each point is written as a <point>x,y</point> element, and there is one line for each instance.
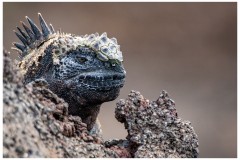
<point>83,74</point>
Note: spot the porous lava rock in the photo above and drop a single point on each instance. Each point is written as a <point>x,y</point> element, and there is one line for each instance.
<point>154,128</point>
<point>36,123</point>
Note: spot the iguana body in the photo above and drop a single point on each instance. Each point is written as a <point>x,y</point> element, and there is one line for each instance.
<point>83,70</point>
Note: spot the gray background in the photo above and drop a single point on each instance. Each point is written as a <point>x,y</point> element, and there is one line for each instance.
<point>188,49</point>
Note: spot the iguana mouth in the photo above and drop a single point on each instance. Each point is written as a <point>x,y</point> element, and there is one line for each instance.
<point>102,82</point>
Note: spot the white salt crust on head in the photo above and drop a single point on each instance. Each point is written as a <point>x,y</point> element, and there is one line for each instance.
<point>105,48</point>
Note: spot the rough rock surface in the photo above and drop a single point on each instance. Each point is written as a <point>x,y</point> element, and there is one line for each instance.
<point>36,123</point>
<point>155,129</point>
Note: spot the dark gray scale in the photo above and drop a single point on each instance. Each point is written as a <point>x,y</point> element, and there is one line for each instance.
<point>24,34</point>
<point>19,46</point>
<point>32,35</point>
<point>45,29</point>
<point>29,32</point>
<point>80,78</point>
<point>36,31</point>
<point>45,66</point>
<point>22,39</point>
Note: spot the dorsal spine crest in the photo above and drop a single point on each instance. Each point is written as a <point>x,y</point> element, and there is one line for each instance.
<point>105,48</point>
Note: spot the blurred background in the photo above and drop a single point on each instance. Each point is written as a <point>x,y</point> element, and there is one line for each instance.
<point>187,49</point>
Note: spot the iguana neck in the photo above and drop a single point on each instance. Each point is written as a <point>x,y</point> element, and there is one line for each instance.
<point>87,113</point>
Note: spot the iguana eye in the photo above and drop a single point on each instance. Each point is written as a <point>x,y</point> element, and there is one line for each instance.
<point>81,59</point>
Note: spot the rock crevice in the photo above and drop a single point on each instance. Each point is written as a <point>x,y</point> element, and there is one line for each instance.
<point>36,123</point>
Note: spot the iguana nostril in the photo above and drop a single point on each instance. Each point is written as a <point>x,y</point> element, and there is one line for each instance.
<point>81,77</point>
<point>88,77</point>
<point>115,77</point>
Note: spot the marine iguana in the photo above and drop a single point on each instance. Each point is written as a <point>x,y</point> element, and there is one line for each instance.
<point>85,71</point>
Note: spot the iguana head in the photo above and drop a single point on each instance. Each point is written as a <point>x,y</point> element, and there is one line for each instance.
<point>84,70</point>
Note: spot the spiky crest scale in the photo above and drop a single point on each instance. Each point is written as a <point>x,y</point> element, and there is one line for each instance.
<point>33,36</point>
<point>106,48</point>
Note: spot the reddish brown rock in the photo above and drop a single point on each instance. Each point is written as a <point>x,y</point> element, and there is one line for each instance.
<point>36,123</point>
